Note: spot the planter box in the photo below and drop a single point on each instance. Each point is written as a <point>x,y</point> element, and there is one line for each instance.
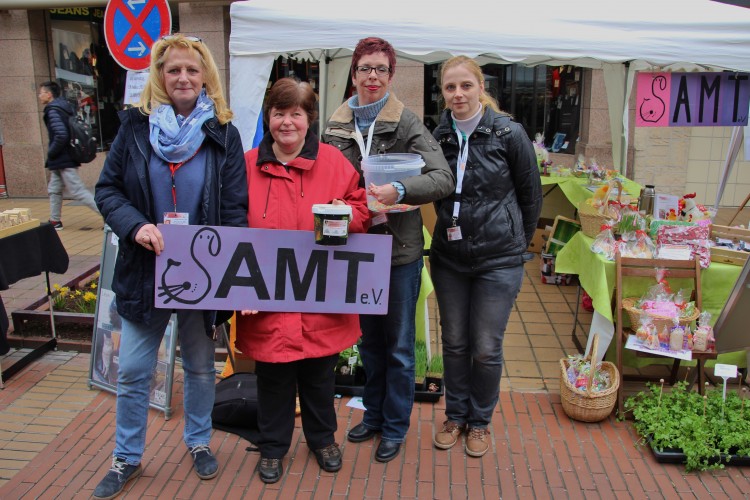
<point>420,396</point>
<point>38,311</point>
<point>675,456</point>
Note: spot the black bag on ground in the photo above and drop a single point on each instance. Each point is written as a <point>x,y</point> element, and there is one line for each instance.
<point>82,141</point>
<point>236,406</point>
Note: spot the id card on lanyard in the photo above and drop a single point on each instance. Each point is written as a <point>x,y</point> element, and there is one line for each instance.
<point>454,232</point>
<point>365,150</point>
<point>175,217</point>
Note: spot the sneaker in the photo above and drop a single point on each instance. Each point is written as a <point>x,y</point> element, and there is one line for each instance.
<point>329,458</point>
<point>116,479</point>
<point>57,224</point>
<point>448,436</point>
<point>477,442</point>
<point>270,470</point>
<point>206,465</point>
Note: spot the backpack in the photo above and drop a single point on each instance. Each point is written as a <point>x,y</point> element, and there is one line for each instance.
<point>236,406</point>
<point>82,141</point>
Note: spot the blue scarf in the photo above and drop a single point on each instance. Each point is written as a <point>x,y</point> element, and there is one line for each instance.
<point>175,138</point>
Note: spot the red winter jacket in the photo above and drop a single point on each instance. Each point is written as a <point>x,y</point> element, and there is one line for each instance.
<point>284,200</point>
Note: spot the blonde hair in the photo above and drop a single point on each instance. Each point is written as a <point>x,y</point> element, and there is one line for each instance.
<point>485,99</point>
<point>155,94</point>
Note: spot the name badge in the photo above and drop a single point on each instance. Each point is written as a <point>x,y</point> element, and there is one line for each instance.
<point>179,218</point>
<point>454,233</point>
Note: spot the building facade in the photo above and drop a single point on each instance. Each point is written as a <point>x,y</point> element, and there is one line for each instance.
<point>63,41</point>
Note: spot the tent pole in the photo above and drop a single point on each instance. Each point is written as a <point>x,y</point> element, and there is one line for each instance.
<point>323,93</point>
<point>734,148</point>
<point>625,123</point>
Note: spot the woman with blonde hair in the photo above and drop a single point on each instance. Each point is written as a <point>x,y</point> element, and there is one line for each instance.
<point>176,159</point>
<point>479,247</point>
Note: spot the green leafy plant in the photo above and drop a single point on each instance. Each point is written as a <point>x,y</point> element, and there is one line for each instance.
<point>420,358</point>
<point>77,300</point>
<point>706,429</point>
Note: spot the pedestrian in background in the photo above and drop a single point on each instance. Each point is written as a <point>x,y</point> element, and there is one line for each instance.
<point>62,169</point>
<point>176,159</point>
<point>375,118</point>
<point>479,247</point>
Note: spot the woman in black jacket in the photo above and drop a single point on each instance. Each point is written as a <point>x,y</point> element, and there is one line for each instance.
<point>479,247</point>
<point>176,159</point>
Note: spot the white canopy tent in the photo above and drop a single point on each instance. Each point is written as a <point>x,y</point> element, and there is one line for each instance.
<point>614,35</point>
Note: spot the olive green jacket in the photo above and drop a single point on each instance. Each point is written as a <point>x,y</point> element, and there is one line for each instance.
<point>398,130</point>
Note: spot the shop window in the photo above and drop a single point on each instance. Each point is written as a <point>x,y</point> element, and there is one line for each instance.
<point>90,79</point>
<point>544,99</point>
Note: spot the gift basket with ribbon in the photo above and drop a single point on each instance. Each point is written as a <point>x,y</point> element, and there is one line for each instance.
<point>600,208</point>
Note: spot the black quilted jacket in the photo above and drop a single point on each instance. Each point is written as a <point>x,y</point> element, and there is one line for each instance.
<point>56,115</point>
<point>501,197</point>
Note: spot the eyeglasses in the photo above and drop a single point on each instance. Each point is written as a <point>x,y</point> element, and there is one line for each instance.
<point>188,38</point>
<point>379,70</point>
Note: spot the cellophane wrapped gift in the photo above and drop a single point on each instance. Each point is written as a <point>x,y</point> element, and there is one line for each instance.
<point>638,245</point>
<point>694,236</point>
<point>605,243</point>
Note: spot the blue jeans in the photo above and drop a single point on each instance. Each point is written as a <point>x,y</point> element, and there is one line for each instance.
<point>139,346</point>
<point>388,356</point>
<point>474,311</point>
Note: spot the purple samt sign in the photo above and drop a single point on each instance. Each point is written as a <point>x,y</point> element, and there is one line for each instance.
<point>231,268</point>
<point>692,99</point>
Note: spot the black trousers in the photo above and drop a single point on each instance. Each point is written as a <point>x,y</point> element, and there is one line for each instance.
<point>278,384</point>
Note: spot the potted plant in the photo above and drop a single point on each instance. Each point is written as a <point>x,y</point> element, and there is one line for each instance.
<point>434,375</point>
<point>349,368</point>
<point>420,367</point>
<point>704,432</point>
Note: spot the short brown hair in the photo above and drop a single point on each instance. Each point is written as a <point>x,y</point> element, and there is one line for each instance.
<point>373,45</point>
<point>288,93</point>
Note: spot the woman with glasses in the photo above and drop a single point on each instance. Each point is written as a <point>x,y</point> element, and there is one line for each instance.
<point>375,122</point>
<point>176,159</point>
<point>479,247</point>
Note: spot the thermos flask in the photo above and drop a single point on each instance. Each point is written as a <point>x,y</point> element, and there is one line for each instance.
<point>646,200</point>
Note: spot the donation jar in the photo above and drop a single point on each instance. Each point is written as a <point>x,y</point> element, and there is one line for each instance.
<point>331,223</point>
<point>387,168</point>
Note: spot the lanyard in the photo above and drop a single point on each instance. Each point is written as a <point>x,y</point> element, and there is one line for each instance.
<point>463,156</point>
<point>174,167</point>
<point>365,150</point>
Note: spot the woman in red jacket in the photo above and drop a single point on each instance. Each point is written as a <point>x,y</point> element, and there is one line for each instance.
<point>287,173</point>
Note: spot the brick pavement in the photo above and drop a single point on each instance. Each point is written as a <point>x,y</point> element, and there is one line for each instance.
<point>537,452</point>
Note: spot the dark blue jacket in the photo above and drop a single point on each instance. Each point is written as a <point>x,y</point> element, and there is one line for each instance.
<point>56,115</point>
<point>501,196</point>
<point>123,195</point>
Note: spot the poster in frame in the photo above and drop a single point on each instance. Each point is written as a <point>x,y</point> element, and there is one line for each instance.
<point>105,344</point>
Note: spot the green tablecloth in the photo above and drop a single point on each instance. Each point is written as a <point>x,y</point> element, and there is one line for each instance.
<point>575,187</point>
<point>597,276</point>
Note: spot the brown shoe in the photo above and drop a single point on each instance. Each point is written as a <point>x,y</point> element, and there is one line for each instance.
<point>448,436</point>
<point>477,442</point>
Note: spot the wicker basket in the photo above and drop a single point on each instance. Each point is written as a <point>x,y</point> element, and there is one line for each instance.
<point>591,218</point>
<point>660,322</point>
<point>587,405</point>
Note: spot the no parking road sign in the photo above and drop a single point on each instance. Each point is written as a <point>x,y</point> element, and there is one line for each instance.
<point>132,26</point>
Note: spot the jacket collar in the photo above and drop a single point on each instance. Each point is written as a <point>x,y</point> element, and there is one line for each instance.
<point>485,125</point>
<point>391,113</point>
<point>309,151</point>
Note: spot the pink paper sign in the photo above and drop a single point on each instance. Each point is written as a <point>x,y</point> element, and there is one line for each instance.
<point>230,268</point>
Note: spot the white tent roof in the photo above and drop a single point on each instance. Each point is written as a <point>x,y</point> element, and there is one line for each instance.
<point>663,34</point>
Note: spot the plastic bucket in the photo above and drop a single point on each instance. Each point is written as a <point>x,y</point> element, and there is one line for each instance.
<point>331,223</point>
<point>384,169</point>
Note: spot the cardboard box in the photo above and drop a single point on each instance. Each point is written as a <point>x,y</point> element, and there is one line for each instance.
<point>549,276</point>
<point>539,241</point>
